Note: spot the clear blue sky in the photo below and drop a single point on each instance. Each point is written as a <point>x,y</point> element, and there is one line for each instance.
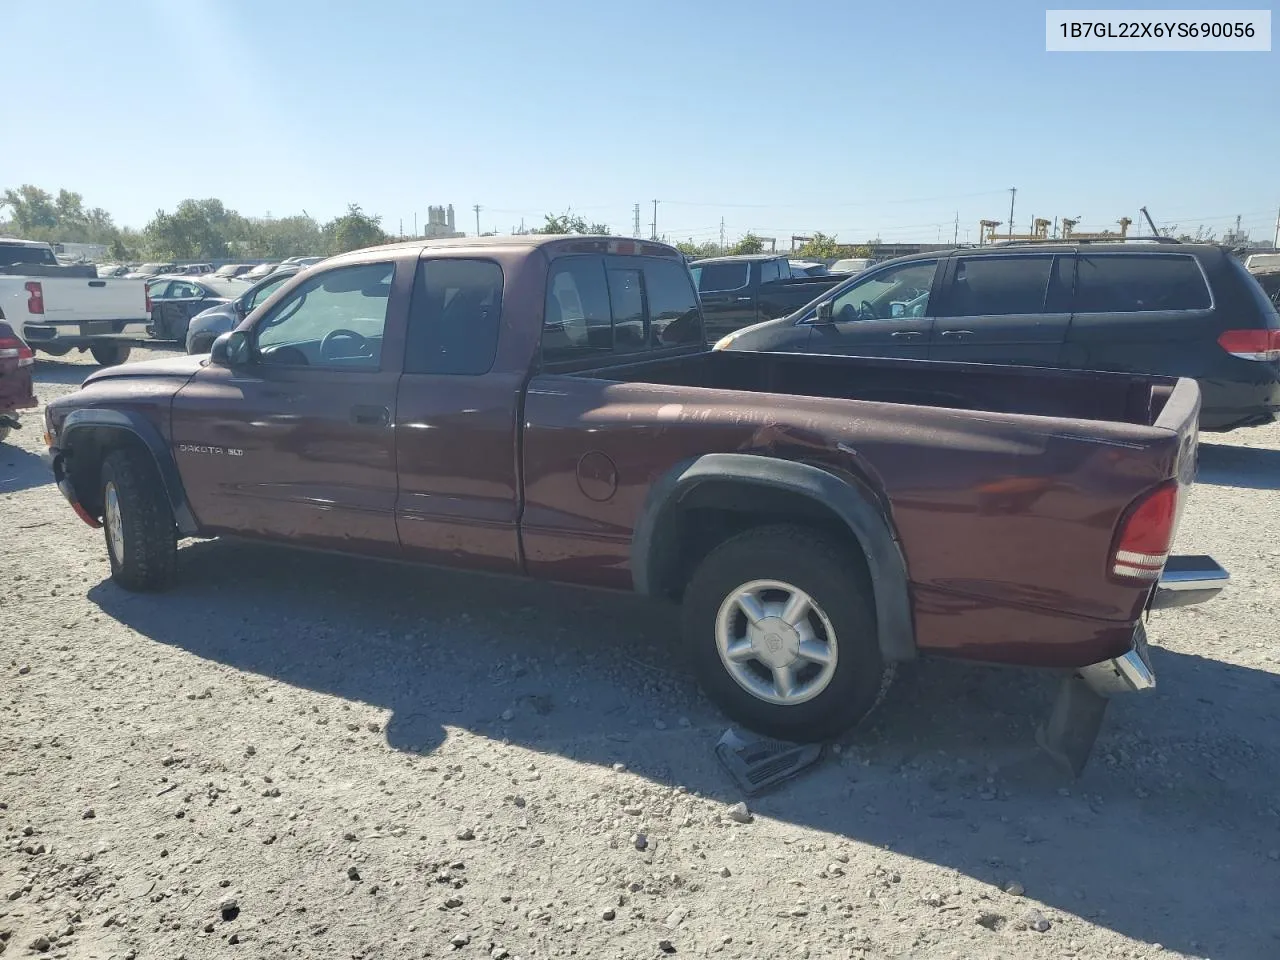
<point>853,119</point>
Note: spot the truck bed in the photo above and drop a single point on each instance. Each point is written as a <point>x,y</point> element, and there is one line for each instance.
<point>1138,399</point>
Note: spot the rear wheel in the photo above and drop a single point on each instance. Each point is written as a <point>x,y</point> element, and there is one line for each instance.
<point>137,522</point>
<point>783,633</point>
<point>110,354</point>
<point>52,350</point>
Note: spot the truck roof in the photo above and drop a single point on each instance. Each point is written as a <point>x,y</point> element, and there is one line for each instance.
<point>576,243</point>
<point>741,258</point>
<point>25,243</point>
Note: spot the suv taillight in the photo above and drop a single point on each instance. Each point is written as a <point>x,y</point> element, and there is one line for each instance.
<point>35,297</point>
<point>149,306</point>
<point>1252,344</point>
<point>11,348</point>
<point>1146,534</point>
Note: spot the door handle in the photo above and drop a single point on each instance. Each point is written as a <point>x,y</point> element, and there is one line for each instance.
<point>907,334</point>
<point>370,416</point>
<point>957,333</point>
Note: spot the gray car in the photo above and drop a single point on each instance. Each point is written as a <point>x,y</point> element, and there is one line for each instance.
<point>207,326</point>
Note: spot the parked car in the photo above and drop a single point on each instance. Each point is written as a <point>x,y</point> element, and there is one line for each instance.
<point>17,392</point>
<point>113,270</point>
<point>807,268</point>
<point>258,272</point>
<point>207,325</point>
<point>146,271</point>
<point>175,300</point>
<point>194,269</point>
<point>56,308</point>
<point>546,407</point>
<point>851,265</point>
<point>1180,310</point>
<point>230,270</point>
<point>739,291</point>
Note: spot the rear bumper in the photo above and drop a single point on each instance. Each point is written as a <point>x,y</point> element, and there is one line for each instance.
<point>1248,398</point>
<point>75,334</point>
<point>1186,580</point>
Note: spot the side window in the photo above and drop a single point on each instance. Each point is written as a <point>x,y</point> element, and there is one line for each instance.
<point>674,318</point>
<point>769,271</point>
<point>1139,283</point>
<point>184,290</point>
<point>334,320</point>
<point>721,277</point>
<point>895,292</point>
<point>1062,284</point>
<point>576,322</point>
<point>453,318</point>
<point>626,296</point>
<point>159,290</point>
<point>996,286</point>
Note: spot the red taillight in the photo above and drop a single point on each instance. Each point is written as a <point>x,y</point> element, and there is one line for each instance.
<point>149,307</point>
<point>35,297</point>
<point>1252,344</point>
<point>11,348</point>
<point>1146,533</point>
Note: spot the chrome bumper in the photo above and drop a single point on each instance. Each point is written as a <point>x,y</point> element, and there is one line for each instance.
<point>1188,580</point>
<point>1125,674</point>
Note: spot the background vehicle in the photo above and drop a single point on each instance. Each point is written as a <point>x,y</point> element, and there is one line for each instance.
<point>209,324</point>
<point>146,271</point>
<point>258,272</point>
<point>557,416</point>
<point>57,308</point>
<point>232,270</point>
<point>16,389</point>
<point>113,270</point>
<point>851,265</point>
<point>1185,310</point>
<point>738,291</point>
<point>806,268</point>
<point>175,300</point>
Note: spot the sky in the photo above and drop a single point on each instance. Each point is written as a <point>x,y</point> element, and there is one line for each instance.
<point>858,120</point>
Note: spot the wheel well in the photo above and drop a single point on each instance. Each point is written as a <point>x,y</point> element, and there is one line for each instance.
<point>713,511</point>
<point>86,451</point>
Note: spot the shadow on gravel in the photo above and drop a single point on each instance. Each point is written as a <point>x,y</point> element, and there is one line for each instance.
<point>1257,468</point>
<point>61,371</point>
<point>21,469</point>
<point>1166,839</point>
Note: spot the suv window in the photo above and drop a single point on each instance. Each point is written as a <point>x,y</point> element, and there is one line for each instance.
<point>901,291</point>
<point>1139,283</point>
<point>674,319</point>
<point>719,277</point>
<point>769,271</point>
<point>334,320</point>
<point>453,317</point>
<point>996,286</point>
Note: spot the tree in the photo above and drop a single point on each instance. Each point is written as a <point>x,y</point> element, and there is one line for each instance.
<point>698,249</point>
<point>196,230</point>
<point>32,208</point>
<point>748,244</point>
<point>820,247</point>
<point>353,230</point>
<point>569,222</point>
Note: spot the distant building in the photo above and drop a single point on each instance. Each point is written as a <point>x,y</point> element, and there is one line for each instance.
<point>440,223</point>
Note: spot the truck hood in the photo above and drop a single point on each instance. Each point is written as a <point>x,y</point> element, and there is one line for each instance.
<point>176,367</point>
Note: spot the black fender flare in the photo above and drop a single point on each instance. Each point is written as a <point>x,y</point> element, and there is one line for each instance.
<point>855,506</point>
<point>145,431</point>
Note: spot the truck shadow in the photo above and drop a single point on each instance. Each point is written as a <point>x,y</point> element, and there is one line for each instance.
<point>1224,465</point>
<point>60,371</point>
<point>1165,839</point>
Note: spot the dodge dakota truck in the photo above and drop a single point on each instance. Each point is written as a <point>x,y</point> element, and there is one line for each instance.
<point>547,407</point>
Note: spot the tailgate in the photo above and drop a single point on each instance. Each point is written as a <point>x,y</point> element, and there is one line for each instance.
<point>80,299</point>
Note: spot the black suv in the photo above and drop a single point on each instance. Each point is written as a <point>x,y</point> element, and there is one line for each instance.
<point>1163,307</point>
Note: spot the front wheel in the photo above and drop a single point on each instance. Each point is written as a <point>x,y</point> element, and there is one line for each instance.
<point>110,354</point>
<point>783,633</point>
<point>142,541</point>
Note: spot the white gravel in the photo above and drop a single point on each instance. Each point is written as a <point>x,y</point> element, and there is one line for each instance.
<point>301,755</point>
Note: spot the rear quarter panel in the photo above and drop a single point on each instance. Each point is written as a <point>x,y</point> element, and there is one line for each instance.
<point>1006,521</point>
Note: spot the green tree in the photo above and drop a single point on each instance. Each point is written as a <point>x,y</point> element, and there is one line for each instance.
<point>748,244</point>
<point>196,230</point>
<point>353,230</point>
<point>32,208</point>
<point>698,249</point>
<point>820,247</point>
<point>569,222</point>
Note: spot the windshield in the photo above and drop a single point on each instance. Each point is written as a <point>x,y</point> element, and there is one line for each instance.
<point>712,277</point>
<point>15,253</point>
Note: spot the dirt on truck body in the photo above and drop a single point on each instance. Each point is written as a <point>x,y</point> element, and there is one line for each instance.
<point>547,407</point>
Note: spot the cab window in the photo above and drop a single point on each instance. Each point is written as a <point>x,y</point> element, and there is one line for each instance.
<point>333,320</point>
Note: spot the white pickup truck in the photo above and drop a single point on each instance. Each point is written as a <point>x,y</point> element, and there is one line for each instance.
<point>58,308</point>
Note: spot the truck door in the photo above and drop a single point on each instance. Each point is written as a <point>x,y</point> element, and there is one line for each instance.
<point>728,293</point>
<point>457,421</point>
<point>298,442</point>
<point>1004,309</point>
<point>885,313</point>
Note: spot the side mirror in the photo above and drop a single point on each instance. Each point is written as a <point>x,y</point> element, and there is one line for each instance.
<point>230,349</point>
<point>897,309</point>
<point>824,311</point>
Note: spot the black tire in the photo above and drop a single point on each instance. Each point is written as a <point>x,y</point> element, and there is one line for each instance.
<point>149,544</point>
<point>53,351</point>
<point>836,581</point>
<point>110,354</point>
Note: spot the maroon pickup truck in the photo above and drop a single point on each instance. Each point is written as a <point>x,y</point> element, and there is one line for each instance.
<point>547,407</point>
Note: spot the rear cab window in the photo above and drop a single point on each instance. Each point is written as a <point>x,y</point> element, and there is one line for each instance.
<point>1139,283</point>
<point>618,306</point>
<point>721,277</point>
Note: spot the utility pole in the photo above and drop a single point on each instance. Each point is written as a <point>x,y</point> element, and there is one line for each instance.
<point>476,208</point>
<point>655,220</point>
<point>1276,241</point>
<point>401,234</point>
<point>415,223</point>
<point>636,214</point>
<point>722,232</point>
<point>955,237</point>
<point>1013,195</point>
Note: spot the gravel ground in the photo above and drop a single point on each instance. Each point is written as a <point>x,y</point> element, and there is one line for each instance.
<point>303,755</point>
